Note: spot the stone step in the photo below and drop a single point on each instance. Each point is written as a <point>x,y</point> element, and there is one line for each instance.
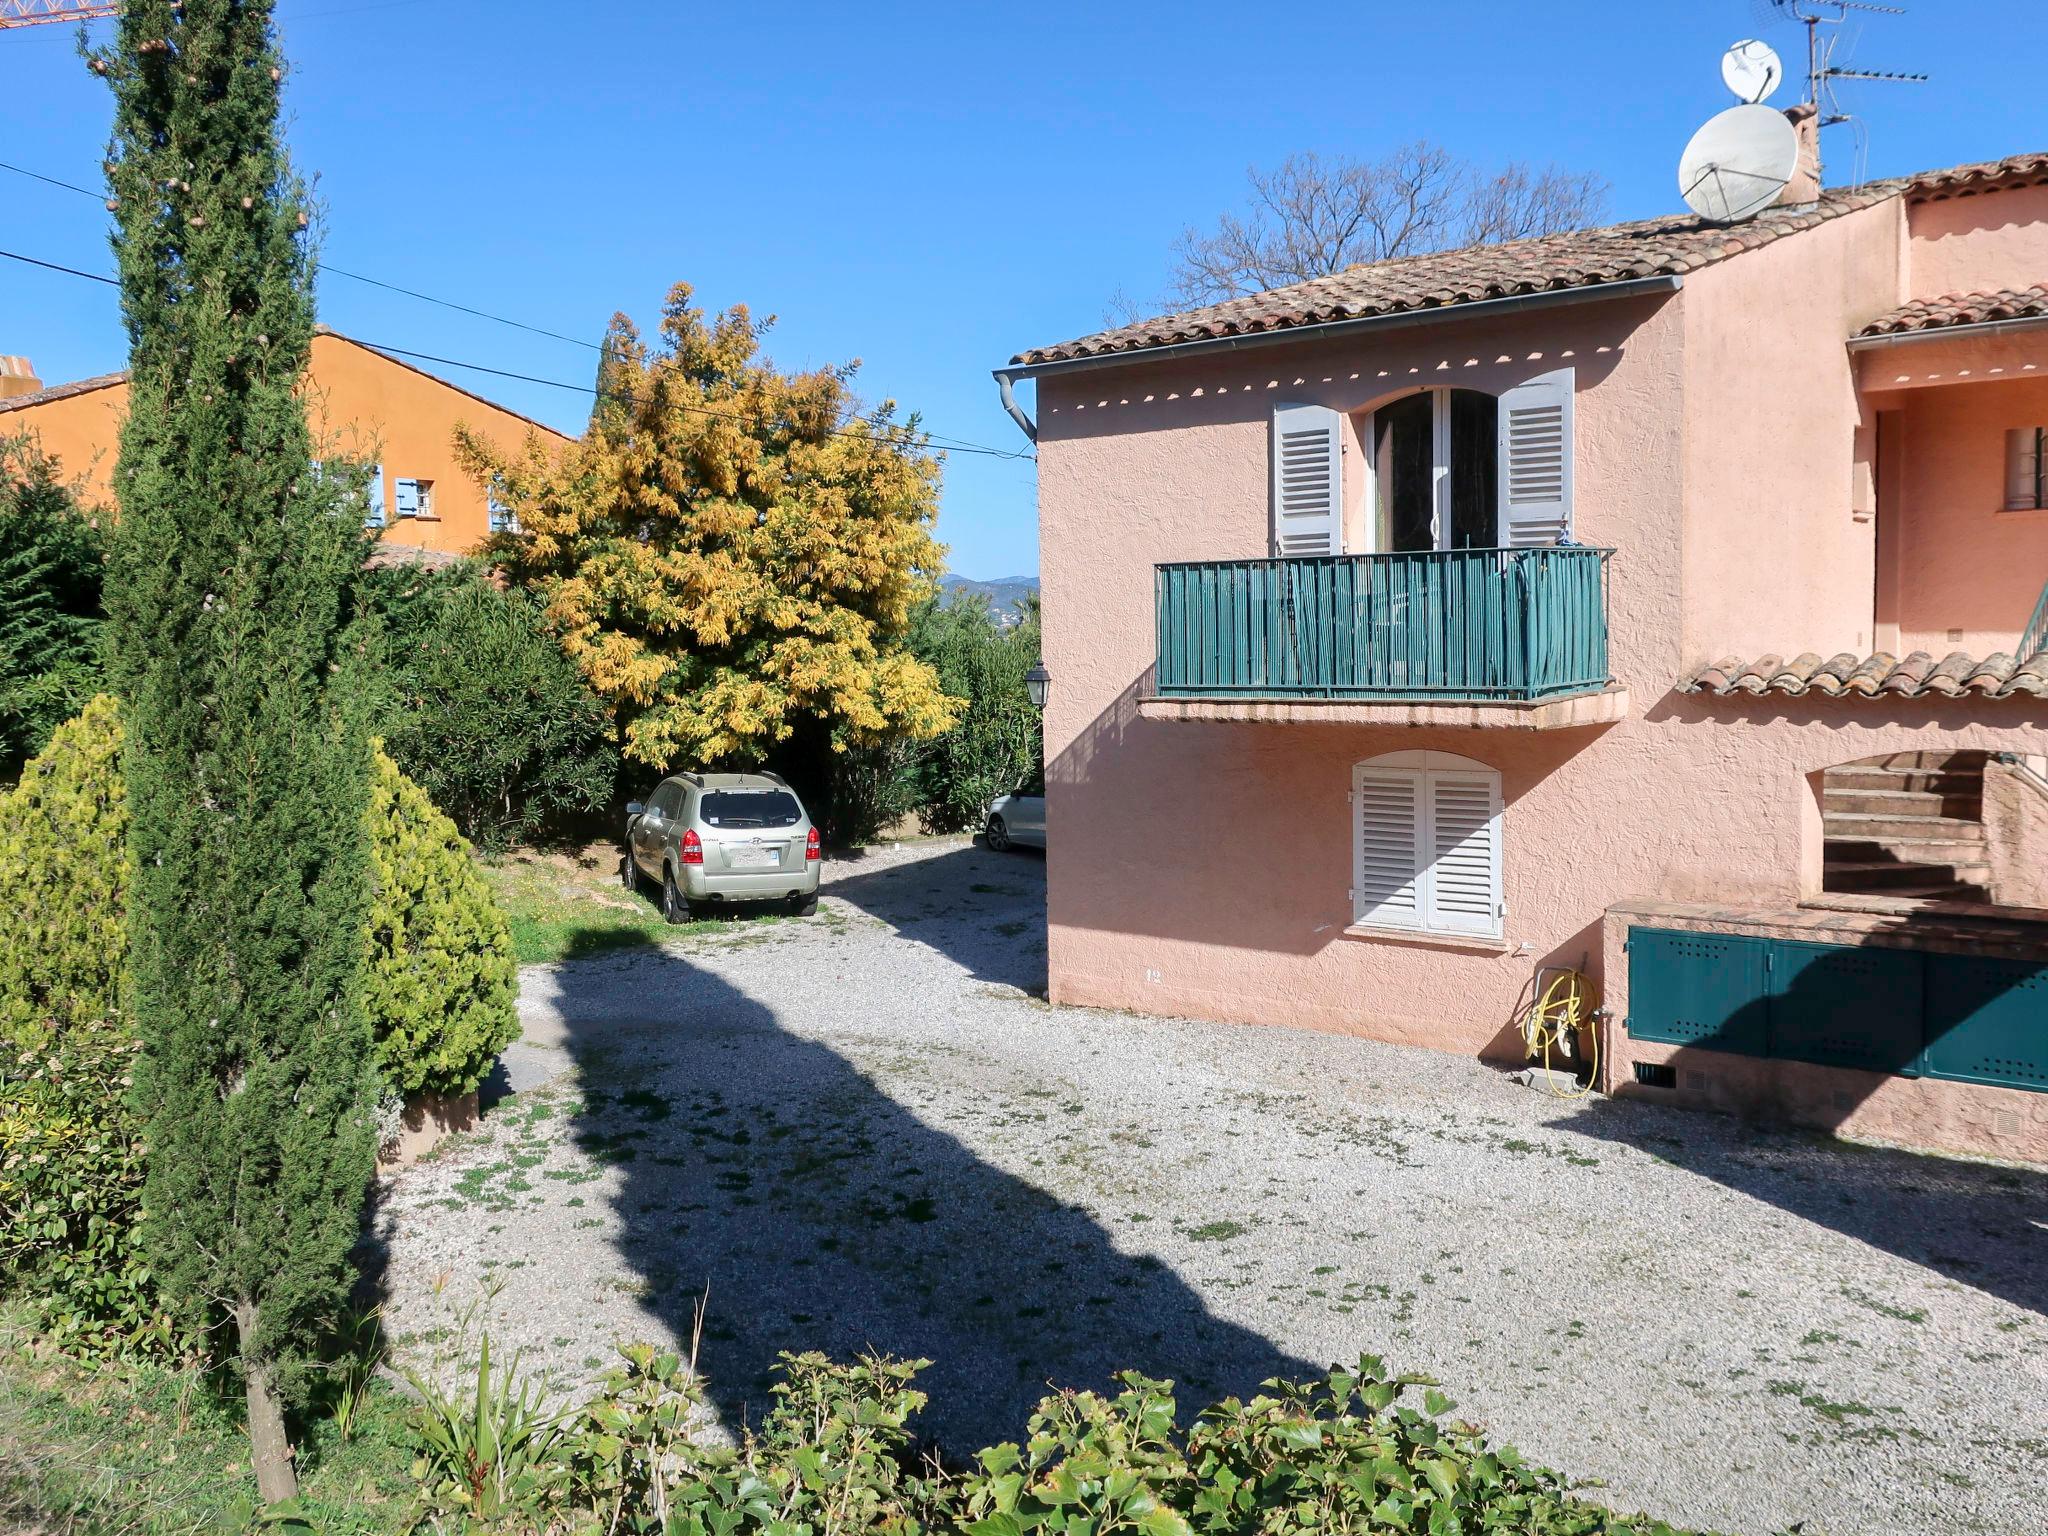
<point>1960,891</point>
<point>1971,761</point>
<point>1889,875</point>
<point>1842,826</point>
<point>1899,802</point>
<point>1938,780</point>
<point>1908,853</point>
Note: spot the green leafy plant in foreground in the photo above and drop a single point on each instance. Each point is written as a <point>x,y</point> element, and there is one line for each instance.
<point>835,1456</point>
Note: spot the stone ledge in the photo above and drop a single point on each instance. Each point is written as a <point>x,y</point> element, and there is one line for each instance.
<point>1570,711</point>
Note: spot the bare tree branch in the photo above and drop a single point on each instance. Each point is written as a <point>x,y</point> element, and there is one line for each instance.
<point>1312,216</point>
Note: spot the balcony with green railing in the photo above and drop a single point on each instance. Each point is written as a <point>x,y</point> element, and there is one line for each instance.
<point>1471,627</point>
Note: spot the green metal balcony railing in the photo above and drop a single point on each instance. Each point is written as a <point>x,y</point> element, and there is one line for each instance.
<point>2034,638</point>
<point>1447,625</point>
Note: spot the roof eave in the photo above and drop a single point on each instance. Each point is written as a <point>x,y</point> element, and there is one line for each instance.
<point>1946,332</point>
<point>1549,298</point>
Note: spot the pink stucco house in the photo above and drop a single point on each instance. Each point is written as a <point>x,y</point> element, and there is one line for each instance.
<point>1662,600</point>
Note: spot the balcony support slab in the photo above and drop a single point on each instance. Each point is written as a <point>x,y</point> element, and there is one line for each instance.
<point>1573,711</point>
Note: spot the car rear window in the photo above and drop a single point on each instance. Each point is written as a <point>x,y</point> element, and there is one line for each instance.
<point>750,808</point>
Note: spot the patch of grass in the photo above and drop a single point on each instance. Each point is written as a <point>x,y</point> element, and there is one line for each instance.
<point>1217,1232</point>
<point>156,1452</point>
<point>1884,1308</point>
<point>560,908</point>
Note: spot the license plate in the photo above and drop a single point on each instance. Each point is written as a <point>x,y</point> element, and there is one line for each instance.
<point>752,858</point>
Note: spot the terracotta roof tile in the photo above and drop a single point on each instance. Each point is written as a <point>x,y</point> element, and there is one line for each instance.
<point>1587,258</point>
<point>64,391</point>
<point>1984,176</point>
<point>1962,309</point>
<point>1997,676</point>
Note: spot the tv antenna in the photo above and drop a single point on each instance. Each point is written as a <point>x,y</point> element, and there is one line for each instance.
<point>1821,70</point>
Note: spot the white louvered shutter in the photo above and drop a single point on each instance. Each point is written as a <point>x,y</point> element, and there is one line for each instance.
<point>1308,481</point>
<point>1387,805</point>
<point>1536,461</point>
<point>1461,888</point>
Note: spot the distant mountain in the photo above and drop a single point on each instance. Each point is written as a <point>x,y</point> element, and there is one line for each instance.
<point>1005,594</point>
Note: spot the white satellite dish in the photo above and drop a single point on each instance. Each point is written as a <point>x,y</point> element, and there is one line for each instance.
<point>1738,163</point>
<point>1752,70</point>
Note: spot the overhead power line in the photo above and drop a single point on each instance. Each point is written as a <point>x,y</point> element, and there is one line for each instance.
<point>326,266</point>
<point>942,444</point>
<point>951,444</point>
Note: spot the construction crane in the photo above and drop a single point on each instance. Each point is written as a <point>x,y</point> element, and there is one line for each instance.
<point>36,13</point>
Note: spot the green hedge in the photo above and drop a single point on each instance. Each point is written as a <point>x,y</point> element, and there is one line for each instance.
<point>440,990</point>
<point>442,986</point>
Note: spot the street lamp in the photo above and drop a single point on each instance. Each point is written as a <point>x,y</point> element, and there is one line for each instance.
<point>1038,683</point>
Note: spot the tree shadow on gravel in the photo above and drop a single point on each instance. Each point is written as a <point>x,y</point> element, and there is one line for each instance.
<point>822,1214</point>
<point>983,910</point>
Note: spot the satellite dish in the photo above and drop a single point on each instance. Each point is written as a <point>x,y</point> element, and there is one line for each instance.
<point>1752,70</point>
<point>1738,163</point>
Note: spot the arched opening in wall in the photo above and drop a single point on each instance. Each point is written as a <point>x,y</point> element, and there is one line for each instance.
<point>1906,825</point>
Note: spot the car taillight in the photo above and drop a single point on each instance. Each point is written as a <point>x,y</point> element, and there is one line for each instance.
<point>693,846</point>
<point>811,848</point>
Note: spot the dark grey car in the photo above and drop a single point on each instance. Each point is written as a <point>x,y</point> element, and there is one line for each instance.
<point>711,839</point>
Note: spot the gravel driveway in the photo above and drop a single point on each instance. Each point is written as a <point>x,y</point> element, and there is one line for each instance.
<point>866,1129</point>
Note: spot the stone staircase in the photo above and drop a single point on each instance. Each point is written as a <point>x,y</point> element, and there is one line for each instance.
<point>1910,825</point>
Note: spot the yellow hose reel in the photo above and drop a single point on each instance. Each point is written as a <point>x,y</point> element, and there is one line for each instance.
<point>1565,1005</point>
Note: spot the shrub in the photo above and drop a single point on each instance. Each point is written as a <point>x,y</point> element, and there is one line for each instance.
<point>71,1190</point>
<point>64,882</point>
<point>51,565</point>
<point>835,1455</point>
<point>441,985</point>
<point>997,743</point>
<point>484,710</point>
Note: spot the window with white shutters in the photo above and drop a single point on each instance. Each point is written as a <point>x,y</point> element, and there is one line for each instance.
<point>1426,845</point>
<point>1308,481</point>
<point>1459,469</point>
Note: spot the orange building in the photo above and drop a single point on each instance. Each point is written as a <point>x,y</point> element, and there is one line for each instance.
<point>360,404</point>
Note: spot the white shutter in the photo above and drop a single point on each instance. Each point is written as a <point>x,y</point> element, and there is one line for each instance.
<point>1387,806</point>
<point>373,492</point>
<point>1462,885</point>
<point>1308,481</point>
<point>1536,461</point>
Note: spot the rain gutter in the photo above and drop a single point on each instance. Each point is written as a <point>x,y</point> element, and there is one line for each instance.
<point>1943,332</point>
<point>1550,298</point>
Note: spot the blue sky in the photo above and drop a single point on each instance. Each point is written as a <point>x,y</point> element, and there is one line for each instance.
<point>927,188</point>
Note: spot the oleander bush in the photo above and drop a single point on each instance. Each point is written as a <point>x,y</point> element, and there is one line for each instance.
<point>1351,1453</point>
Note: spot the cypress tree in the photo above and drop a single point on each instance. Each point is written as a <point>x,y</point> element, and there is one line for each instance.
<point>229,596</point>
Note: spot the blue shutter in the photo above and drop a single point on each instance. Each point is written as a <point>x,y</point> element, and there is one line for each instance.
<point>373,495</point>
<point>406,494</point>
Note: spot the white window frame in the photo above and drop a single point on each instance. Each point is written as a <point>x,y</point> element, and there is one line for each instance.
<point>1425,771</point>
<point>1505,400</point>
<point>1439,466</point>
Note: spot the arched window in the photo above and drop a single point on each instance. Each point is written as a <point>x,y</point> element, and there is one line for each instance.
<point>1448,469</point>
<point>1426,839</point>
<point>1435,457</point>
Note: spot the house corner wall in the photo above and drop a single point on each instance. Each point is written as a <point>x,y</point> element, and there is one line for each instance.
<point>1780,539</point>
